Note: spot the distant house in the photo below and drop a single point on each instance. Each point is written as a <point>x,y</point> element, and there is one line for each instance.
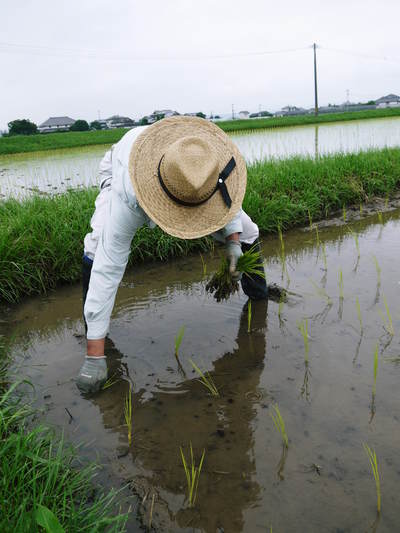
<point>158,114</point>
<point>261,114</point>
<point>243,114</point>
<point>391,100</point>
<point>290,110</point>
<point>117,121</point>
<point>56,124</point>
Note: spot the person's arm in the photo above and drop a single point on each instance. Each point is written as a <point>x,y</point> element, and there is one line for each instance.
<point>108,268</point>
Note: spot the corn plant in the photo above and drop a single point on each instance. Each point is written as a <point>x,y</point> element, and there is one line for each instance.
<point>128,413</point>
<point>249,317</point>
<point>303,327</point>
<point>374,467</point>
<point>280,425</point>
<point>192,473</point>
<point>206,380</point>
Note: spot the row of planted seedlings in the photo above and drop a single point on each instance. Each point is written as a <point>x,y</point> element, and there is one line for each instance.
<point>303,327</point>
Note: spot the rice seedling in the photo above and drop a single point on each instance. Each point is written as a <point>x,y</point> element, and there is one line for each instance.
<point>386,201</point>
<point>305,388</point>
<point>192,473</point>
<point>375,370</point>
<point>303,327</point>
<point>206,380</point>
<point>204,266</point>
<point>280,425</point>
<point>359,315</point>
<point>249,316</point>
<point>373,461</point>
<point>341,293</point>
<point>322,292</point>
<point>389,323</point>
<point>377,268</point>
<point>110,382</point>
<point>178,340</point>
<point>355,237</point>
<point>222,286</point>
<point>128,413</point>
<point>380,217</point>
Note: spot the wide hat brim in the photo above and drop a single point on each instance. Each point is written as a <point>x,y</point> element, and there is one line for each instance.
<point>177,220</point>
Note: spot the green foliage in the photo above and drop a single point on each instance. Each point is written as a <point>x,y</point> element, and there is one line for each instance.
<point>206,380</point>
<point>200,114</point>
<point>373,461</point>
<point>280,425</point>
<point>79,125</point>
<point>95,125</point>
<point>22,127</point>
<point>178,340</point>
<point>40,483</point>
<point>192,473</point>
<point>47,520</point>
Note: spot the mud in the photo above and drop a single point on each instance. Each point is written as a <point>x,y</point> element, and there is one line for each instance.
<point>323,483</point>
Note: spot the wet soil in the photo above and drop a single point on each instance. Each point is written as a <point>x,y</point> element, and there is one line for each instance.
<point>324,482</point>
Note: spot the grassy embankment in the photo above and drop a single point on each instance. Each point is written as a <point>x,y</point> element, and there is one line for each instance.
<point>51,141</point>
<point>41,238</point>
<point>38,478</point>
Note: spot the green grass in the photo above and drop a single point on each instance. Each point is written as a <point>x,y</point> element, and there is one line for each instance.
<point>39,481</point>
<point>70,139</point>
<point>41,237</point>
<point>301,120</point>
<point>52,141</point>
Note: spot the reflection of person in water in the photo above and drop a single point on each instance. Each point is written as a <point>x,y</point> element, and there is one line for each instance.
<point>182,173</point>
<point>222,426</point>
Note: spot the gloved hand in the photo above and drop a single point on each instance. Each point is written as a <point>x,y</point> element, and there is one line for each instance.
<point>92,375</point>
<point>233,251</point>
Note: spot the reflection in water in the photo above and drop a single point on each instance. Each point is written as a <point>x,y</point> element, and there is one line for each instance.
<point>222,426</point>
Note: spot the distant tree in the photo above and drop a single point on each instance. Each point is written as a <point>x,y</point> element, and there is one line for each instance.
<point>371,102</point>
<point>159,116</point>
<point>79,125</point>
<point>95,125</point>
<point>200,114</point>
<point>143,121</point>
<point>217,116</point>
<point>22,127</point>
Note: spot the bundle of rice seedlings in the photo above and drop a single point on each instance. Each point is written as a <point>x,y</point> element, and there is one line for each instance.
<point>223,286</point>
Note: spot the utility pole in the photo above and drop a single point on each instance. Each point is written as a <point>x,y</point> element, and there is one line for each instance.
<point>233,113</point>
<point>315,80</point>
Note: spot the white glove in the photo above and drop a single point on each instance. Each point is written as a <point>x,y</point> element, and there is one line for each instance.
<point>233,251</point>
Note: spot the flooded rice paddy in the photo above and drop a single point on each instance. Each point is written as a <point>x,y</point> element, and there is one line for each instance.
<point>57,170</point>
<point>323,482</point>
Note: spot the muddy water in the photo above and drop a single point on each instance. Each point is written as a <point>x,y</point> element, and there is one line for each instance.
<point>54,171</point>
<point>325,483</point>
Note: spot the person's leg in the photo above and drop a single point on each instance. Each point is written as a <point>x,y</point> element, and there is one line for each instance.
<point>255,287</point>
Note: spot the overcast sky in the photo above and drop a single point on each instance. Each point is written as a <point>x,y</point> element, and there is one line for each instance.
<point>130,57</point>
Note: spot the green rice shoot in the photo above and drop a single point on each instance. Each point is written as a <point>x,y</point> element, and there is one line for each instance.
<point>178,340</point>
<point>222,286</point>
<point>321,292</point>
<point>204,266</point>
<point>110,382</point>
<point>303,327</point>
<point>205,379</point>
<point>192,473</point>
<point>341,293</point>
<point>374,467</point>
<point>280,425</point>
<point>324,257</point>
<point>377,268</point>
<point>359,316</point>
<point>249,317</point>
<point>380,217</point>
<point>128,413</point>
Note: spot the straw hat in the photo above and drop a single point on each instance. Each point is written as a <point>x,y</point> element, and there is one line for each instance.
<point>188,176</point>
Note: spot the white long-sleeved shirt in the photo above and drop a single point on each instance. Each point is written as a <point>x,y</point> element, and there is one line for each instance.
<point>116,219</point>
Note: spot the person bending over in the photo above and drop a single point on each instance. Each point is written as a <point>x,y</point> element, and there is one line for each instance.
<point>183,174</point>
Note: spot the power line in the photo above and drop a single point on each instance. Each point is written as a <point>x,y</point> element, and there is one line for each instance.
<point>87,53</point>
<point>363,55</point>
